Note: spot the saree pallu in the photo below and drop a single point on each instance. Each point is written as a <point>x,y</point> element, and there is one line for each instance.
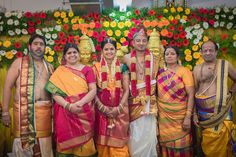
<point>215,140</point>
<point>111,140</point>
<point>73,131</point>
<point>172,107</point>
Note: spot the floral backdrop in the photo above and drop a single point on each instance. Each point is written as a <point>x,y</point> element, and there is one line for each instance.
<point>183,27</point>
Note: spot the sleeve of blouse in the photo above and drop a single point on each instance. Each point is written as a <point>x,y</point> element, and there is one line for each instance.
<point>188,77</point>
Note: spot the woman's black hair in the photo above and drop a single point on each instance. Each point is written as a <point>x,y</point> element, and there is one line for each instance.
<point>70,45</point>
<point>173,47</point>
<point>108,40</point>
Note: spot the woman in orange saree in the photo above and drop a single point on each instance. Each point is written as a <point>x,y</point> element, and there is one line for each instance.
<point>175,104</point>
<point>112,115</point>
<point>73,86</point>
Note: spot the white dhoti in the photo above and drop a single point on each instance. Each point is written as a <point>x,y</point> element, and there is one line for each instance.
<point>45,144</point>
<point>143,137</point>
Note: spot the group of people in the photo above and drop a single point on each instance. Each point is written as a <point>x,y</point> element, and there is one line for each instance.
<point>117,108</point>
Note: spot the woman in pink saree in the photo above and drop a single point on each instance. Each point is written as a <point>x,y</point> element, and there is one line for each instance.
<point>73,87</point>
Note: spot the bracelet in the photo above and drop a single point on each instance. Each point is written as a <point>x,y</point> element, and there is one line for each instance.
<point>5,113</point>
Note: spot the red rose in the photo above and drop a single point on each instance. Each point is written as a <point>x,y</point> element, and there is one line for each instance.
<point>175,22</point>
<point>198,18</point>
<point>185,42</point>
<point>19,54</point>
<point>125,43</point>
<point>38,22</point>
<point>178,44</point>
<point>204,19</point>
<point>95,34</point>
<point>171,28</point>
<point>31,23</point>
<point>159,16</point>
<point>201,10</point>
<point>180,28</point>
<point>172,43</point>
<point>151,12</point>
<point>205,11</point>
<point>100,39</point>
<point>224,36</point>
<point>137,22</point>
<point>176,36</point>
<point>17,45</point>
<point>169,35</point>
<point>212,12</point>
<point>98,48</point>
<point>61,34</point>
<point>98,25</point>
<point>31,30</point>
<point>224,50</point>
<point>137,12</point>
<point>66,27</point>
<point>211,22</point>
<point>43,15</point>
<point>36,15</point>
<point>182,35</point>
<point>103,33</point>
<point>130,36</point>
<point>70,40</point>
<point>56,48</point>
<point>28,14</point>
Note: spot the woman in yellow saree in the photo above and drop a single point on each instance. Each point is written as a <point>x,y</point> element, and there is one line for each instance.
<point>73,87</point>
<point>175,104</point>
<point>112,115</point>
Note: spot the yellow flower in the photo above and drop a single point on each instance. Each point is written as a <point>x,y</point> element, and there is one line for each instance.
<point>184,17</point>
<point>113,24</point>
<point>188,58</point>
<point>234,37</point>
<point>73,21</point>
<point>71,14</point>
<point>109,32</point>
<point>118,45</point>
<point>128,24</point>
<point>47,49</point>
<point>65,20</point>
<point>106,24</point>
<point>172,10</point>
<point>57,14</point>
<point>187,11</point>
<point>117,33</point>
<point>200,43</point>
<point>9,55</point>
<point>177,17</point>
<point>200,61</point>
<point>205,38</point>
<point>50,59</point>
<point>63,14</point>
<point>59,21</point>
<point>113,38</point>
<point>121,25</point>
<point>165,10</point>
<point>126,32</point>
<point>81,20</point>
<point>7,43</point>
<point>0,43</point>
<point>171,18</point>
<point>190,67</point>
<point>123,39</point>
<point>179,9</point>
<point>51,52</point>
<point>196,55</point>
<point>187,52</point>
<point>195,47</point>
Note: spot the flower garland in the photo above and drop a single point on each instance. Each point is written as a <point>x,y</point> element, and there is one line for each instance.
<point>116,73</point>
<point>134,91</point>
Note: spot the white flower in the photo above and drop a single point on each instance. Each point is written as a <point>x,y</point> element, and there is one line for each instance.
<point>122,18</point>
<point>226,9</point>
<point>11,32</point>
<point>217,17</point>
<point>188,29</point>
<point>2,52</point>
<point>1,22</point>
<point>223,15</point>
<point>112,14</point>
<point>50,29</point>
<point>234,43</point>
<point>218,45</point>
<point>24,31</point>
<point>48,36</point>
<point>216,24</point>
<point>199,37</point>
<point>38,31</point>
<point>14,13</point>
<point>128,13</point>
<point>195,32</point>
<point>197,26</point>
<point>189,36</point>
<point>16,22</point>
<point>19,15</point>
<point>14,51</point>
<point>217,9</point>
<point>231,17</point>
<point>182,20</point>
<point>50,42</point>
<point>196,41</point>
<point>8,14</point>
<point>58,28</point>
<point>1,28</point>
<point>54,36</point>
<point>24,24</point>
<point>25,51</point>
<point>205,25</point>
<point>18,31</point>
<point>45,30</point>
<point>201,30</point>
<point>234,11</point>
<point>9,21</point>
<point>229,25</point>
<point>222,23</point>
